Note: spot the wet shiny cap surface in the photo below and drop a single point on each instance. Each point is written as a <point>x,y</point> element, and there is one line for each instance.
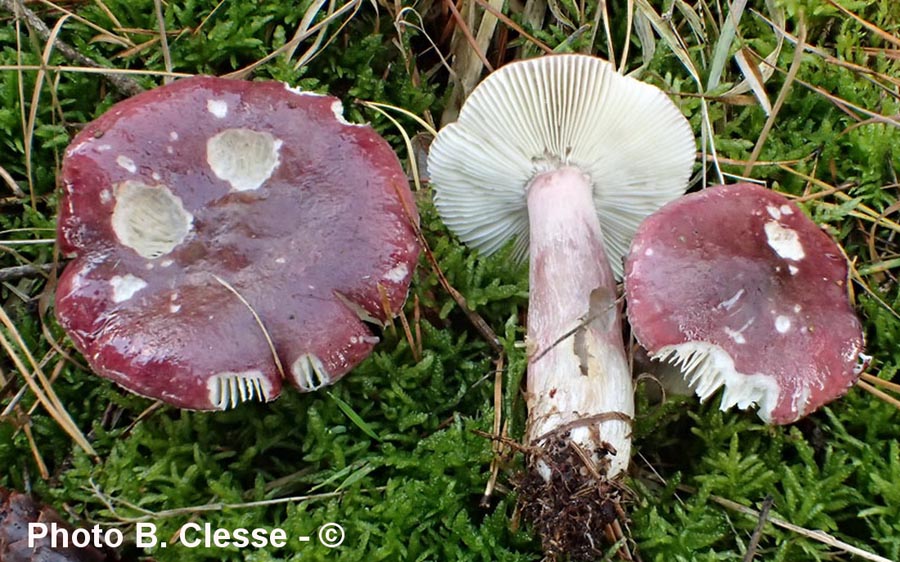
<point>212,221</point>
<point>740,289</point>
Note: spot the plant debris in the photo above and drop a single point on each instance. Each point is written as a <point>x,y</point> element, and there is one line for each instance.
<point>574,510</point>
<point>17,510</point>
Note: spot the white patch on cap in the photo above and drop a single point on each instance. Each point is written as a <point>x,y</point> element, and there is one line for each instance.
<point>736,336</point>
<point>170,150</point>
<point>800,400</point>
<point>862,361</point>
<point>126,163</point>
<point>706,367</point>
<point>105,196</point>
<point>850,353</point>
<point>784,241</point>
<point>782,324</point>
<point>219,108</point>
<point>173,136</point>
<point>774,212</point>
<point>243,157</point>
<point>338,109</point>
<point>398,273</point>
<point>356,309</point>
<point>81,274</point>
<point>280,261</point>
<point>298,90</point>
<point>372,340</point>
<point>173,308</point>
<point>309,373</point>
<point>797,308</point>
<point>648,252</point>
<point>104,148</point>
<point>228,389</point>
<point>729,304</point>
<point>793,269</point>
<point>786,210</point>
<point>125,286</point>
<point>150,220</point>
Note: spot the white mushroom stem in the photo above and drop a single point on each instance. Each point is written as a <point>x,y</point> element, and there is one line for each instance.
<point>578,377</point>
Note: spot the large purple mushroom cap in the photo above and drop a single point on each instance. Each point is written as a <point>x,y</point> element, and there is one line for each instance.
<point>742,290</point>
<point>217,225</point>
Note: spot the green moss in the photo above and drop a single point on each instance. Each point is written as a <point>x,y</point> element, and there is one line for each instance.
<point>394,452</point>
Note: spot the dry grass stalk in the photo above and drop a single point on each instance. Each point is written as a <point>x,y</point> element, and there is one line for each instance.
<point>125,85</point>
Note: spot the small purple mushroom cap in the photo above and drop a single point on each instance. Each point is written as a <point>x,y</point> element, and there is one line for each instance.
<point>739,288</point>
<point>217,225</point>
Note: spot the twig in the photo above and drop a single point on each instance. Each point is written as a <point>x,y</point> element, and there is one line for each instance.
<point>477,321</point>
<point>629,25</point>
<point>468,63</point>
<point>816,535</point>
<point>92,70</point>
<point>301,34</point>
<point>582,323</point>
<point>44,391</point>
<point>879,394</point>
<point>870,26</point>
<point>514,26</point>
<point>13,186</point>
<point>148,411</point>
<point>779,101</point>
<point>126,86</point>
<point>24,421</point>
<point>758,531</point>
<point>467,33</point>
<point>881,382</point>
<point>407,331</point>
<point>498,430</point>
<point>218,506</point>
<point>56,7</point>
<point>474,318</point>
<point>259,323</point>
<point>17,272</point>
<point>163,40</point>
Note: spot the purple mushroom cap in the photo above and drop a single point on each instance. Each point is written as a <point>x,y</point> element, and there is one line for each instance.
<point>742,290</point>
<point>216,224</point>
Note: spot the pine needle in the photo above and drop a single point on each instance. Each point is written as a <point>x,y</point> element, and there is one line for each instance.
<point>44,391</point>
<point>259,323</point>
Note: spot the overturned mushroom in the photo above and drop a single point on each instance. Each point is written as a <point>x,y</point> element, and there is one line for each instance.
<point>740,289</point>
<point>563,157</point>
<point>226,235</point>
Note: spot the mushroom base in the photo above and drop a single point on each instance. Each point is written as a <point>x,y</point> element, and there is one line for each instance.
<point>576,510</point>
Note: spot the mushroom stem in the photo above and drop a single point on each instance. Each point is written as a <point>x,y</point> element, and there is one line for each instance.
<point>579,385</point>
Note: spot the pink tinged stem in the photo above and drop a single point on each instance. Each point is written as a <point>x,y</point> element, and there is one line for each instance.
<point>578,376</point>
